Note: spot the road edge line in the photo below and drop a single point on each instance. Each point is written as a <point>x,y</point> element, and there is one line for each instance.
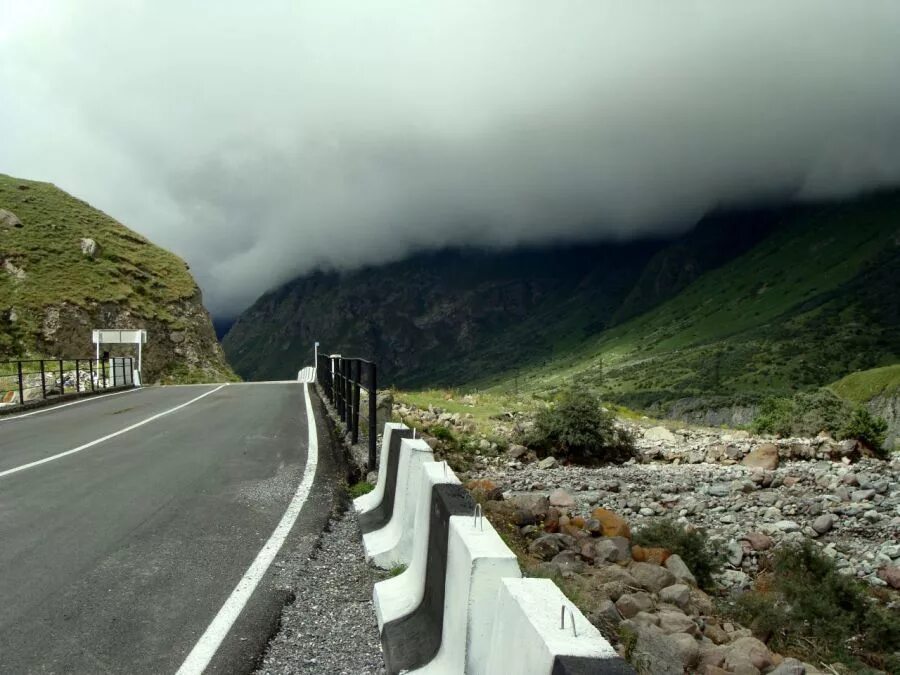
<point>208,644</point>
<point>91,444</point>
<point>51,407</point>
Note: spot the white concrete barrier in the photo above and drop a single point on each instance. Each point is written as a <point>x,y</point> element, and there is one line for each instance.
<point>477,561</point>
<point>392,544</point>
<point>400,595</point>
<point>373,499</point>
<point>529,639</point>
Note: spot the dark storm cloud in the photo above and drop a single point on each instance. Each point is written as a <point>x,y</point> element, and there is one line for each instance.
<point>262,140</point>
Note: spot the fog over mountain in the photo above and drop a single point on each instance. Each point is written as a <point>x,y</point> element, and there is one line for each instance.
<point>264,140</point>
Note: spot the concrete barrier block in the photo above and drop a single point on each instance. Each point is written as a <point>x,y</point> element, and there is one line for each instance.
<point>528,639</point>
<point>477,561</point>
<point>392,544</point>
<point>402,594</point>
<point>387,458</point>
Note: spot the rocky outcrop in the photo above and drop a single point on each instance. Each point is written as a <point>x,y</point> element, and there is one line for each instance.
<point>888,407</point>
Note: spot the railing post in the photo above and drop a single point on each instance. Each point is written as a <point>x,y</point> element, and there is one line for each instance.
<point>339,386</point>
<point>348,397</point>
<point>62,379</point>
<point>373,425</point>
<point>103,370</point>
<point>77,377</point>
<point>355,419</point>
<point>21,385</point>
<point>43,380</point>
<point>91,368</point>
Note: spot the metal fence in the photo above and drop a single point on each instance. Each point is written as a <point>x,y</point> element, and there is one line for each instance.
<point>41,379</point>
<point>343,379</point>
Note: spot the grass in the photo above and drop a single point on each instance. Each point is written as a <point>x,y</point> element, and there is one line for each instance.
<point>483,406</point>
<point>863,386</point>
<point>396,570</point>
<point>130,270</point>
<point>359,489</point>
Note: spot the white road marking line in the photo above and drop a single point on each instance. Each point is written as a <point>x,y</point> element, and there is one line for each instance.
<point>208,644</point>
<point>106,438</point>
<point>51,407</point>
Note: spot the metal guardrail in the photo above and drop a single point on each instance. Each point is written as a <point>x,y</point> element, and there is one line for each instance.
<point>342,379</point>
<point>43,379</point>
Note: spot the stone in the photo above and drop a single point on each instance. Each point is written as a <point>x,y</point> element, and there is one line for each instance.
<point>606,612</point>
<point>567,561</point>
<point>90,248</point>
<point>646,619</point>
<point>562,499</point>
<point>862,495</point>
<point>748,650</point>
<point>654,555</point>
<point>890,575</point>
<point>484,490</point>
<point>547,463</point>
<point>789,667</point>
<point>654,650</point>
<point>787,526</point>
<point>9,219</point>
<point>659,434</point>
<point>535,504</point>
<point>676,594</point>
<point>546,547</point>
<point>672,621</point>
<point>612,524</point>
<point>763,457</point>
<point>629,604</point>
<point>651,577</point>
<point>516,451</point>
<point>716,633</point>
<point>719,489</point>
<point>734,553</point>
<point>823,523</point>
<point>611,549</point>
<point>680,570</point>
<point>759,541</point>
<point>688,648</point>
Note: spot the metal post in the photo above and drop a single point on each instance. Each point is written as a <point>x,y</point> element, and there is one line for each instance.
<point>103,369</point>
<point>373,428</point>
<point>77,377</point>
<point>62,379</point>
<point>91,368</point>
<point>355,419</point>
<point>43,380</point>
<point>21,386</point>
<point>339,387</point>
<point>348,393</point>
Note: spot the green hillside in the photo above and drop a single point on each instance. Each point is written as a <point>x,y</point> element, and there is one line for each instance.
<point>809,304</point>
<point>52,292</point>
<point>863,386</point>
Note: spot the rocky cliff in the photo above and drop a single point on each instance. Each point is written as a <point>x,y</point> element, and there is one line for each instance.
<point>66,268</point>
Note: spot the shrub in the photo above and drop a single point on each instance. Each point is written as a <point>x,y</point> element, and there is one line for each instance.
<point>805,414</point>
<point>359,489</point>
<point>866,428</point>
<point>577,427</point>
<point>692,545</point>
<point>811,608</point>
<point>441,433</point>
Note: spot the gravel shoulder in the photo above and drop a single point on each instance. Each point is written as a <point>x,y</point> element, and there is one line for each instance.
<point>330,626</point>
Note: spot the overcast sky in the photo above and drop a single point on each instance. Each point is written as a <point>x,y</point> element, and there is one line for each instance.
<point>260,140</point>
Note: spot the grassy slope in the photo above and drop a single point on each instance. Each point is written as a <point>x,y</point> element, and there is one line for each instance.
<point>865,385</point>
<point>130,269</point>
<point>791,313</point>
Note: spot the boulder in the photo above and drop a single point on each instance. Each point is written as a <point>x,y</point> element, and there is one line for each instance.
<point>567,561</point>
<point>651,577</point>
<point>629,604</point>
<point>657,652</point>
<point>562,499</point>
<point>9,219</point>
<point>789,667</point>
<point>680,570</point>
<point>763,457</point>
<point>748,651</point>
<point>676,594</point>
<point>547,463</point>
<point>671,621</point>
<point>688,648</point>
<point>90,248</point>
<point>537,505</point>
<point>654,555</point>
<point>659,434</point>
<point>612,524</point>
<point>823,523</point>
<point>610,549</point>
<point>547,546</point>
<point>759,541</point>
<point>605,613</point>
<point>890,575</point>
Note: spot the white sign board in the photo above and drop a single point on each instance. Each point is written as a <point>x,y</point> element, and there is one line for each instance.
<point>114,336</point>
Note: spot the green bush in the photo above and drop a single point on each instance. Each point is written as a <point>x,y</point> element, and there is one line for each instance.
<point>441,433</point>
<point>692,545</point>
<point>359,489</point>
<point>866,428</point>
<point>810,608</point>
<point>577,428</point>
<point>805,414</point>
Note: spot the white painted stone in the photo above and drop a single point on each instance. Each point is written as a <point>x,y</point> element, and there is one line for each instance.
<point>392,544</point>
<point>400,595</point>
<point>527,635</point>
<point>369,501</point>
<point>477,562</point>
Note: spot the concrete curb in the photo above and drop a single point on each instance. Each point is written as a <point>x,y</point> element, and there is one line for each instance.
<point>377,512</point>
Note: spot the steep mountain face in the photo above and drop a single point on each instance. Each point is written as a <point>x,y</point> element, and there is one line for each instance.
<point>66,268</point>
<point>745,305</point>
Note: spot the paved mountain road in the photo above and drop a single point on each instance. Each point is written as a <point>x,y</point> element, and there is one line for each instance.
<point>117,557</point>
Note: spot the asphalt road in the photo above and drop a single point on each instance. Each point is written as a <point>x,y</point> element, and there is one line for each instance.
<point>117,557</point>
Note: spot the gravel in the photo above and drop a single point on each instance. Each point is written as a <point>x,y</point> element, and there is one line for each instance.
<point>330,627</point>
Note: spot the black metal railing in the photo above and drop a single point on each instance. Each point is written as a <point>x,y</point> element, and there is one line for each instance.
<point>343,379</point>
<point>41,379</point>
